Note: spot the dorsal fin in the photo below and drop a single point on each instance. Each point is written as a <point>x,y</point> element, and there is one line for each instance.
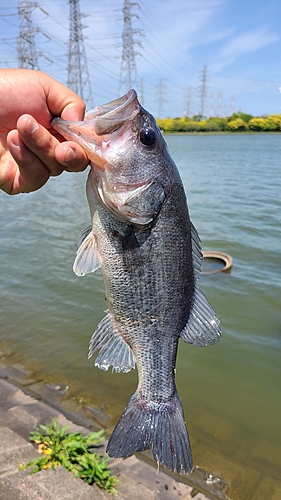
<point>203,327</point>
<point>197,255</point>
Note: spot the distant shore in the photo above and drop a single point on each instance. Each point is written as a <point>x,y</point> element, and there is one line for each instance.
<point>226,132</point>
<point>236,123</point>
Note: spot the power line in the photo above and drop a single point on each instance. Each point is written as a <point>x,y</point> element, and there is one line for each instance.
<point>78,72</point>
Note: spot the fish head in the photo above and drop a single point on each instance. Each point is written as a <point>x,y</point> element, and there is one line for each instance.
<point>132,171</point>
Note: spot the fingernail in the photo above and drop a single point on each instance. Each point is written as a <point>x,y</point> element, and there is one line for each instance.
<point>69,156</point>
<point>16,140</point>
<point>31,126</point>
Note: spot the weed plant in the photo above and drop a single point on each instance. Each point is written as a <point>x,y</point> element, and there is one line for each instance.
<point>74,451</point>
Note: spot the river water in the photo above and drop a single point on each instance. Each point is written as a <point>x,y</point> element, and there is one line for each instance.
<point>231,392</point>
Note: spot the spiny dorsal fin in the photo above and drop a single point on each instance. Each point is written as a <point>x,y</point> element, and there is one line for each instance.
<point>197,255</point>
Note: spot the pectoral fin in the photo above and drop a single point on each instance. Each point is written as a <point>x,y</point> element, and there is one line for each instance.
<point>87,258</point>
<point>203,327</point>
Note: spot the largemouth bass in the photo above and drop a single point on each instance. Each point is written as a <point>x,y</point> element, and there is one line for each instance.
<point>150,257</point>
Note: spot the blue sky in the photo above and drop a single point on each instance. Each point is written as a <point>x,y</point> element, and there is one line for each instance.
<point>239,41</point>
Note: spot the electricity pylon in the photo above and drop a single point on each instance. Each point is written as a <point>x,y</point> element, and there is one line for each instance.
<point>27,53</point>
<point>203,91</point>
<point>78,72</point>
<point>128,74</point>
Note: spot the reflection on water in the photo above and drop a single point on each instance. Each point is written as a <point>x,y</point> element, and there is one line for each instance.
<point>230,391</point>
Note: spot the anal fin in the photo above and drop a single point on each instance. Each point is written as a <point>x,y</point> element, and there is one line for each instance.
<point>114,351</point>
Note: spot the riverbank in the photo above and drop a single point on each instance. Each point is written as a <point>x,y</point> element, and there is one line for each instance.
<point>238,122</point>
<point>27,401</point>
<point>21,412</point>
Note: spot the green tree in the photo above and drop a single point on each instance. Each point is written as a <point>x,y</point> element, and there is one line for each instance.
<point>242,116</point>
<point>258,124</point>
<point>181,124</point>
<point>166,124</point>
<point>237,125</point>
<point>218,123</point>
<point>274,122</point>
<point>192,126</point>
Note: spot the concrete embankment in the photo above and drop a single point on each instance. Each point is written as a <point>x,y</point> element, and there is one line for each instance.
<point>21,412</point>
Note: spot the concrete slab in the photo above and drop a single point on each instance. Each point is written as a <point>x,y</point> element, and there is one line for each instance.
<point>49,392</point>
<point>268,489</point>
<point>3,373</point>
<point>14,451</point>
<point>22,413</point>
<point>164,486</point>
<point>238,476</point>
<point>58,484</point>
<point>218,429</point>
<point>61,484</point>
<point>131,489</point>
<point>267,455</point>
<point>8,491</point>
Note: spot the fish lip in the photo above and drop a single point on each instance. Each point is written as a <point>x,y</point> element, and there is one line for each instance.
<point>101,121</point>
<point>111,116</point>
<point>112,107</point>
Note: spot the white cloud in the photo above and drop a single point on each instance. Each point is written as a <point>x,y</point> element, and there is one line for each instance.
<point>246,43</point>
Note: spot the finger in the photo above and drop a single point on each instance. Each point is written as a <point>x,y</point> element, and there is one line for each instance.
<point>31,173</point>
<point>71,156</point>
<point>64,102</point>
<point>40,142</point>
<point>8,169</point>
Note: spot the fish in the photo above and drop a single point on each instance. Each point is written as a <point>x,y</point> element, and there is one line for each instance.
<point>150,257</point>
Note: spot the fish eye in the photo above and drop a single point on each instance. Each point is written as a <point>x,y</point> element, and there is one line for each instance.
<point>147,136</point>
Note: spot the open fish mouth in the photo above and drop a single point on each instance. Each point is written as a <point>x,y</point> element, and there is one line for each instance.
<point>111,116</point>
<point>99,122</point>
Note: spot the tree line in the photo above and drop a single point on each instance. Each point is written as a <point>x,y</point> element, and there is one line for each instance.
<point>237,122</point>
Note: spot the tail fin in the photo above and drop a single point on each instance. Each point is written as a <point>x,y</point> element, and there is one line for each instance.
<point>161,427</point>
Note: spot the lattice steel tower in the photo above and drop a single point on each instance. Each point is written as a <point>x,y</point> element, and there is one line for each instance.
<point>27,53</point>
<point>128,74</point>
<point>78,72</point>
<point>203,91</point>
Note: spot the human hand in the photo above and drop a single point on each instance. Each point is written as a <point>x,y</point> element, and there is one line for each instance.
<point>30,149</point>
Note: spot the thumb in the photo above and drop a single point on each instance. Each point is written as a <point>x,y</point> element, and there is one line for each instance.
<point>63,102</point>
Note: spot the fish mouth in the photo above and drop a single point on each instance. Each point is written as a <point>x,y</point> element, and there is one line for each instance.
<point>100,122</point>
